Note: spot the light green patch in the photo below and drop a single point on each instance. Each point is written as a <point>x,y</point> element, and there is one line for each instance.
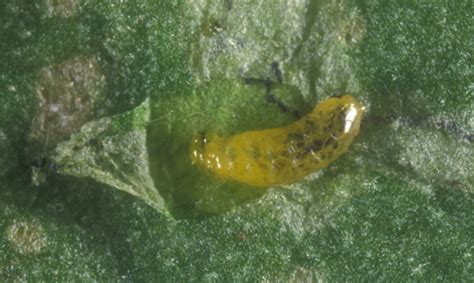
<point>118,158</point>
<point>63,8</point>
<point>416,56</point>
<point>28,237</point>
<point>437,157</point>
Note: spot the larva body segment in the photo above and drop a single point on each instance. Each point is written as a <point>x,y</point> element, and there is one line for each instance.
<point>282,155</point>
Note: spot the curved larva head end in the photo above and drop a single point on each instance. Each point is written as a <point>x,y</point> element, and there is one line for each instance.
<point>353,111</point>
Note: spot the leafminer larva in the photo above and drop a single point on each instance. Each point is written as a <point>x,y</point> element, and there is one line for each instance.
<point>282,155</point>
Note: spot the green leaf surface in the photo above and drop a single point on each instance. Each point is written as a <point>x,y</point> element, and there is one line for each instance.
<point>99,102</point>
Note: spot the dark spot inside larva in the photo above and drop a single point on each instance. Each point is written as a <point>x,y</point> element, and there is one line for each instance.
<point>335,145</point>
<point>290,151</point>
<point>295,138</point>
<point>309,126</point>
<point>280,164</point>
<point>313,147</point>
<point>316,145</point>
<point>303,167</point>
<point>301,154</point>
<point>329,141</point>
<point>328,129</point>
<point>262,164</point>
<point>329,152</point>
<point>342,114</point>
<point>295,160</point>
<point>330,115</point>
<point>231,155</point>
<point>255,152</point>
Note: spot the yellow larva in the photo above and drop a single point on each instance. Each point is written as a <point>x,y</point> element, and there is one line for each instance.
<point>282,155</point>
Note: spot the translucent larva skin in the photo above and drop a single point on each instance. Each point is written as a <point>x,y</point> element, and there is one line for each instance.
<point>282,155</point>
